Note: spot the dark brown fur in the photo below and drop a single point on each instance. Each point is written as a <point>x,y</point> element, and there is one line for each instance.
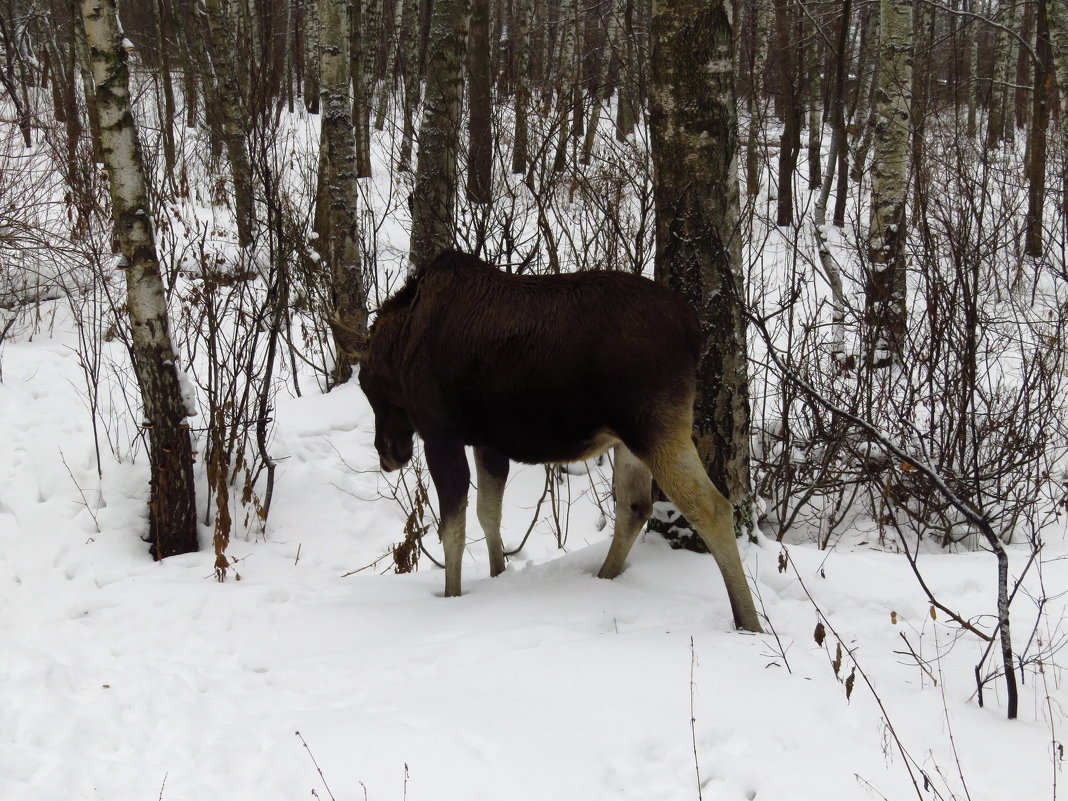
<point>536,369</point>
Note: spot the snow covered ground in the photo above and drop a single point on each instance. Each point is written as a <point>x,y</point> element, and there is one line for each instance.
<point>122,679</point>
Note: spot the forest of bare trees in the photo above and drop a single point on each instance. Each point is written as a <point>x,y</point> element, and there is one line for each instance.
<point>865,200</point>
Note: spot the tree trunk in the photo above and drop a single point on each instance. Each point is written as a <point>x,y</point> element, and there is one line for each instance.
<point>311,49</point>
<point>15,84</point>
<point>390,83</point>
<point>758,101</point>
<point>222,24</point>
<point>298,55</point>
<point>814,67</point>
<point>85,67</point>
<point>970,31</point>
<point>341,248</point>
<point>479,89</point>
<point>172,499</point>
<point>1036,140</point>
<point>693,129</point>
<point>568,81</point>
<point>923,23</point>
<point>1024,79</point>
<point>243,13</point>
<point>1000,126</point>
<point>520,147</point>
<point>627,94</point>
<point>1058,30</point>
<point>65,75</point>
<point>863,113</point>
<point>885,282</point>
<point>835,162</point>
<point>359,15</point>
<point>411,82</point>
<point>790,143</point>
<point>190,42</point>
<point>433,200</point>
<point>602,90</point>
<point>163,28</point>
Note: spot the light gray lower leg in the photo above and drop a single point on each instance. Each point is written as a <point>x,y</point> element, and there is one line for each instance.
<point>448,467</point>
<point>633,486</point>
<point>453,540</point>
<point>491,480</point>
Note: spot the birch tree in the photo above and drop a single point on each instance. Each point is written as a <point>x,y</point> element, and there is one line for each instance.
<point>311,45</point>
<point>522,86</point>
<point>340,248</point>
<point>172,499</point>
<point>693,127</point>
<point>410,80</point>
<point>570,47</point>
<point>836,165</point>
<point>1058,31</point>
<point>389,84</point>
<point>163,22</point>
<point>602,91</point>
<point>1036,156</point>
<point>789,57</point>
<point>228,105</point>
<point>627,92</point>
<point>360,15</point>
<point>433,199</point>
<point>885,281</point>
<point>480,106</point>
<point>15,85</point>
<point>757,103</point>
<point>1000,125</point>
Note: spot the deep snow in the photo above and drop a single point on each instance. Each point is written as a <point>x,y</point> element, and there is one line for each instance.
<point>121,678</point>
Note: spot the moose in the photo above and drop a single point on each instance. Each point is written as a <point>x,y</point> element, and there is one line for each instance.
<point>545,370</point>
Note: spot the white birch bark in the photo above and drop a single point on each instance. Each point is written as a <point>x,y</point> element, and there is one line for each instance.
<point>341,250</point>
<point>627,92</point>
<point>412,84</point>
<point>602,91</point>
<point>433,200</point>
<point>758,102</point>
<point>1036,157</point>
<point>222,22</point>
<point>1058,33</point>
<point>568,76</point>
<point>999,122</point>
<point>885,282</point>
<point>693,127</point>
<point>862,115</point>
<point>172,500</point>
<point>389,84</point>
<point>520,145</point>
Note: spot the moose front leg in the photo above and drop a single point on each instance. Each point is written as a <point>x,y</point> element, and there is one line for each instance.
<point>491,470</point>
<point>451,475</point>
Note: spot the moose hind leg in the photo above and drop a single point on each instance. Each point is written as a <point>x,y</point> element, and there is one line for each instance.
<point>491,470</point>
<point>451,475</point>
<point>678,471</point>
<point>633,485</point>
